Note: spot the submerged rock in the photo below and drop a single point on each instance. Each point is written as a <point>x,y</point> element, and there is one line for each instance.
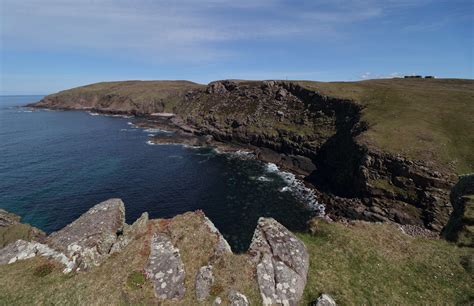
<point>282,263</point>
<point>89,239</point>
<point>165,268</point>
<point>204,281</point>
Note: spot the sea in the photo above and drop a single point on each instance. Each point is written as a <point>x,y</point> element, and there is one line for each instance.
<point>55,165</point>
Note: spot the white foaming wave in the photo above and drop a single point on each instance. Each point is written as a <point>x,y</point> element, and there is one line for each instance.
<point>109,115</point>
<point>242,154</point>
<point>156,130</point>
<point>263,178</point>
<point>119,116</point>
<point>151,143</point>
<point>298,189</point>
<point>132,125</point>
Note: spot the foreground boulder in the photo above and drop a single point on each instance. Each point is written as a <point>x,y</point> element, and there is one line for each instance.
<point>282,263</point>
<point>89,239</point>
<point>204,281</point>
<point>165,268</point>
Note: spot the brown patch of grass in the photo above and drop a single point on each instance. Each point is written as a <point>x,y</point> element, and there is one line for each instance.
<point>43,270</point>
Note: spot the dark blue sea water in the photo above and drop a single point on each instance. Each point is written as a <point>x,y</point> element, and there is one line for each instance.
<point>55,165</point>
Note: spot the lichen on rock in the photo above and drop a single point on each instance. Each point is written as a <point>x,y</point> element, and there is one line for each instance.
<point>282,263</point>
<point>165,268</point>
<point>89,239</point>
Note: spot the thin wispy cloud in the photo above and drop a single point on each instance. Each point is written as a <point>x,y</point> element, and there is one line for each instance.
<point>91,40</point>
<point>174,30</point>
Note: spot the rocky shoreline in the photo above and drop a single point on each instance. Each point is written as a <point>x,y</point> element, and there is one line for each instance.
<point>302,131</point>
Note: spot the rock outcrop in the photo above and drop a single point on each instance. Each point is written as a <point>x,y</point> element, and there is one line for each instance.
<point>21,250</point>
<point>130,232</point>
<point>169,249</point>
<point>282,263</point>
<point>165,269</point>
<point>204,281</point>
<point>89,239</point>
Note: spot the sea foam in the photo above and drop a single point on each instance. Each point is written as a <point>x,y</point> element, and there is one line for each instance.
<point>298,189</point>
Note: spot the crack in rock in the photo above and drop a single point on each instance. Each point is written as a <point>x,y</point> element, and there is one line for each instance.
<point>165,268</point>
<point>282,263</point>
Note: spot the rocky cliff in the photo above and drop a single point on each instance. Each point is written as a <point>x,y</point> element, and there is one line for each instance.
<point>182,260</point>
<point>293,124</point>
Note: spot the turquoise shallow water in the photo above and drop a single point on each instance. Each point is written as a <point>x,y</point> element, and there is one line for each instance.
<point>54,165</point>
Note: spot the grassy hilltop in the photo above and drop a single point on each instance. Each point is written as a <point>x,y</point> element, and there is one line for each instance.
<point>426,119</point>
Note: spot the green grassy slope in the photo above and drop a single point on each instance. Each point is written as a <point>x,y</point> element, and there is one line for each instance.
<point>143,95</point>
<point>374,264</point>
<point>425,119</point>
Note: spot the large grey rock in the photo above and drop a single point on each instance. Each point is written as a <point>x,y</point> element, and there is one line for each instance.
<point>165,268</point>
<point>204,281</point>
<point>324,300</point>
<point>237,299</point>
<point>282,263</point>
<point>21,250</point>
<point>89,239</point>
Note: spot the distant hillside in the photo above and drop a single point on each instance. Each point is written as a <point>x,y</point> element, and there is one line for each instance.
<point>139,97</point>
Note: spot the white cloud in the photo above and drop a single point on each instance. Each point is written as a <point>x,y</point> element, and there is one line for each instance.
<point>370,75</point>
<point>165,30</point>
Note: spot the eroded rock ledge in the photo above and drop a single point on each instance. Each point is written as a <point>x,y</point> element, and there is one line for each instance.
<point>187,257</point>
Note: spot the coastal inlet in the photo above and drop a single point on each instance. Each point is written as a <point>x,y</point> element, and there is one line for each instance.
<point>55,165</point>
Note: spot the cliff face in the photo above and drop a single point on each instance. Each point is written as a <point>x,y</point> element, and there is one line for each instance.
<point>300,129</point>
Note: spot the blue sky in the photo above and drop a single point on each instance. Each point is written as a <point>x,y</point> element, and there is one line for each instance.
<point>50,45</point>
